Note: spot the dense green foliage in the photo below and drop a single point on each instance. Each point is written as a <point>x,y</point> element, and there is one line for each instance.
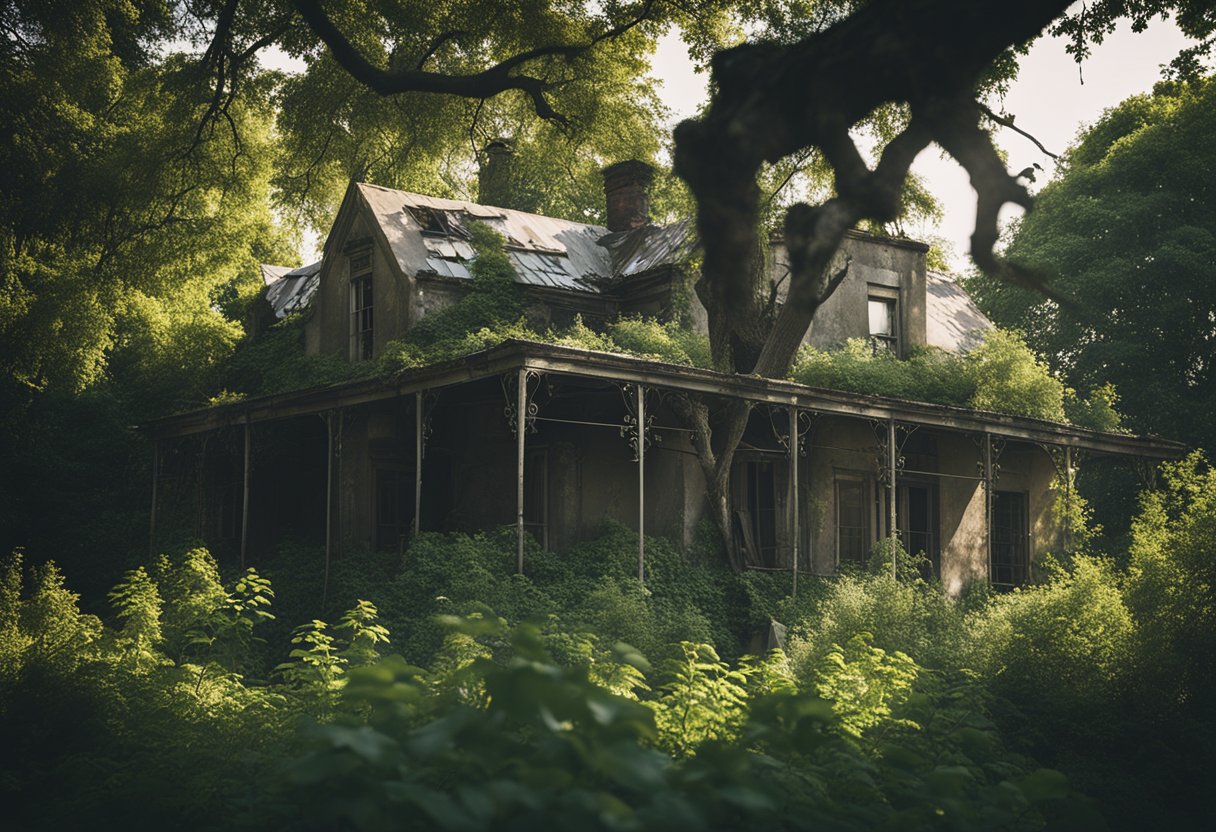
<point>136,200</point>
<point>897,707</point>
<point>1127,228</point>
<point>1002,375</point>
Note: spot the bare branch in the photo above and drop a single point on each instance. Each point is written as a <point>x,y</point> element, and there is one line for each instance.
<point>1005,121</point>
<point>481,85</point>
<point>956,128</point>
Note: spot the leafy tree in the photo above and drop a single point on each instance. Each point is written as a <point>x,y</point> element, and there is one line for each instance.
<point>1128,229</point>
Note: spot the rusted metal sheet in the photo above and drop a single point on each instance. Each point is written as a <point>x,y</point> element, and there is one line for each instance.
<point>651,247</point>
<point>427,234</point>
<point>292,289</point>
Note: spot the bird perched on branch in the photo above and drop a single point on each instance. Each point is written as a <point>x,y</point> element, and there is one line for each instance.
<point>1028,173</point>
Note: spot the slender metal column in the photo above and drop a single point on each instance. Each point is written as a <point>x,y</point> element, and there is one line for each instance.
<point>521,404</point>
<point>329,503</point>
<point>892,532</point>
<point>641,405</point>
<point>794,493</point>
<point>1067,500</point>
<point>417,461</point>
<point>988,485</point>
<point>155,478</point>
<point>341,433</point>
<point>245,497</point>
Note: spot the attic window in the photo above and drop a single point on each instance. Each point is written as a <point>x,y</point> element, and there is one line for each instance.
<point>883,308</point>
<point>436,222</point>
<point>361,333</point>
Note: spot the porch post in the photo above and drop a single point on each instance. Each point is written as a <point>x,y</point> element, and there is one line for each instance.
<point>794,493</point>
<point>988,484</point>
<point>339,515</point>
<point>417,461</point>
<point>155,478</point>
<point>892,532</point>
<point>1068,499</point>
<point>641,439</point>
<point>245,496</point>
<point>521,404</point>
<point>329,503</point>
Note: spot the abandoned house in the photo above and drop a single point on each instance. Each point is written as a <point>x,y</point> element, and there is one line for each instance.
<point>553,439</point>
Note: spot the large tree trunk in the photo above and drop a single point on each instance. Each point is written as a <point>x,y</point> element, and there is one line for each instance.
<point>772,101</point>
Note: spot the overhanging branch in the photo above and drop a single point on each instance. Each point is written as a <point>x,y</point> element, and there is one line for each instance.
<point>488,83</point>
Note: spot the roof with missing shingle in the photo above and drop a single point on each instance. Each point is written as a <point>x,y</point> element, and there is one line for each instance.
<point>429,235</point>
<point>289,290</point>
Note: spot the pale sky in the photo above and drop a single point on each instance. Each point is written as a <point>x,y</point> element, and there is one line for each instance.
<point>1048,100</point>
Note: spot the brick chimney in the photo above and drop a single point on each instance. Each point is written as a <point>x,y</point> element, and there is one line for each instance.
<point>494,174</point>
<point>626,190</point>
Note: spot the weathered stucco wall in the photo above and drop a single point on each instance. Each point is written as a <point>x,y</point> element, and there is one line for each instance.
<point>876,262</point>
<point>328,330</point>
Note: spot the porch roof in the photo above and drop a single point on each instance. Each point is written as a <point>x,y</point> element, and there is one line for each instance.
<point>613,367</point>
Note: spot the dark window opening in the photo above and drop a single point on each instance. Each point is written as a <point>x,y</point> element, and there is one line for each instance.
<point>536,495</point>
<point>917,518</point>
<point>852,522</point>
<point>232,507</point>
<point>361,317</point>
<point>755,524</point>
<point>1010,538</point>
<point>394,507</point>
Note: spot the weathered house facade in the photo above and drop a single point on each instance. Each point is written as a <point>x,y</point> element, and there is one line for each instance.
<point>554,440</point>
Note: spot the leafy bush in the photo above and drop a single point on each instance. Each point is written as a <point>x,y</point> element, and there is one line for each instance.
<point>1010,378</point>
<point>911,617</point>
<point>929,375</point>
<point>1002,374</point>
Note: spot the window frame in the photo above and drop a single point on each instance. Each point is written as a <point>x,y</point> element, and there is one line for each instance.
<point>1021,542</point>
<point>865,506</point>
<point>536,494</point>
<point>362,305</point>
<point>889,297</point>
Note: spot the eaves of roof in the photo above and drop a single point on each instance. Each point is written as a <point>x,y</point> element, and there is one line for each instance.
<point>559,360</point>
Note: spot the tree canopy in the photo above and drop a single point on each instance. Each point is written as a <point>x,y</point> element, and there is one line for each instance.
<point>150,161</point>
<point>1128,229</point>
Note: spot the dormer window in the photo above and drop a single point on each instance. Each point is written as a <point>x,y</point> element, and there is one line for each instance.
<point>361,340</point>
<point>884,319</point>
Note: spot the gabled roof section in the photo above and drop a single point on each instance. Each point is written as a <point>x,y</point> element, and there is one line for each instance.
<point>290,290</point>
<point>953,321</point>
<point>429,235</point>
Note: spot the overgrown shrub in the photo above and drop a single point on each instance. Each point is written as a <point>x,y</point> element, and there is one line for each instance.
<point>1010,378</point>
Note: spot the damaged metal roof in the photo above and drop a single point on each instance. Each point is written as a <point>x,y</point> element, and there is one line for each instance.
<point>953,321</point>
<point>290,290</point>
<point>650,247</point>
<point>429,235</point>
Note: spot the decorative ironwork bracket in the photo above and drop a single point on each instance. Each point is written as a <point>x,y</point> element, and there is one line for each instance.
<point>988,478</point>
<point>1146,472</point>
<point>805,424</point>
<point>510,391</point>
<point>629,427</point>
<point>881,429</point>
<point>430,400</point>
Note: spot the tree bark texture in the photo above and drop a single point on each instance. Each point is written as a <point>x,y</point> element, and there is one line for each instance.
<point>772,101</point>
